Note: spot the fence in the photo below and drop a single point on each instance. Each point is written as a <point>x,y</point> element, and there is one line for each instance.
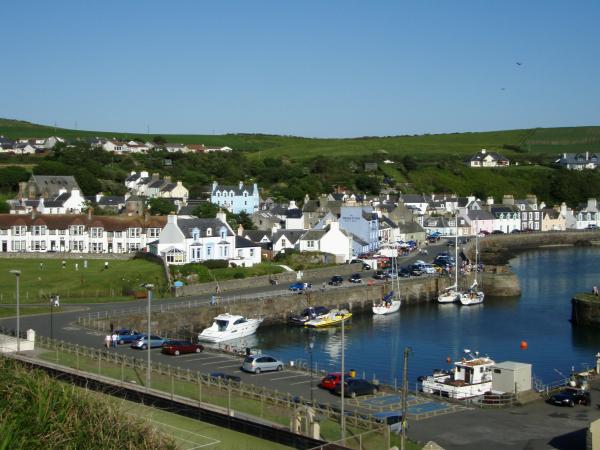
<point>272,406</point>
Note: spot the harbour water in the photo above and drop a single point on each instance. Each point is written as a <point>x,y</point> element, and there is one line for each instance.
<point>540,316</point>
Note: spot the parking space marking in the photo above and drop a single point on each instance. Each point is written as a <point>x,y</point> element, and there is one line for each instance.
<point>288,377</point>
<point>300,382</point>
<point>224,365</point>
<point>207,358</point>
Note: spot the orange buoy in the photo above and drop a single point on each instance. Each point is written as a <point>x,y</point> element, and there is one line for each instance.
<point>448,360</point>
<point>523,345</point>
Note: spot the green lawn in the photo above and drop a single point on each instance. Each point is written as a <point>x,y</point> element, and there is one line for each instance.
<point>89,284</point>
<point>26,310</point>
<point>204,275</point>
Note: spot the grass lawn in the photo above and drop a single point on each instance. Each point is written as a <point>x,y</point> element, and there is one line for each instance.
<point>25,311</point>
<point>192,434</point>
<point>217,395</point>
<point>205,275</point>
<point>89,284</point>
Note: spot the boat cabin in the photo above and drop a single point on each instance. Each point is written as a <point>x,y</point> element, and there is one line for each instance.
<point>473,371</point>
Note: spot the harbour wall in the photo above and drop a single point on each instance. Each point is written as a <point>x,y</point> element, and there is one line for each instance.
<point>585,310</point>
<point>309,276</point>
<point>276,310</point>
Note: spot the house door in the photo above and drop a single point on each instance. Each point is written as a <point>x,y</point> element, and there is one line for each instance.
<point>52,246</point>
<point>4,246</point>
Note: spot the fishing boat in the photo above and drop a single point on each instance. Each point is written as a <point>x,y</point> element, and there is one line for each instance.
<point>310,313</point>
<point>471,377</point>
<point>229,326</point>
<point>334,317</point>
<point>387,305</point>
<point>451,294</point>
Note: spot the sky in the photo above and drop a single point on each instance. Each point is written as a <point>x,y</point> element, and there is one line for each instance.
<point>307,68</point>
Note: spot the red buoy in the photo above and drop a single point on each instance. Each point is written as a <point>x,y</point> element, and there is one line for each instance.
<point>523,345</point>
<point>448,360</point>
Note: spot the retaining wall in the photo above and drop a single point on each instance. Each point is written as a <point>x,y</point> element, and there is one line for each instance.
<point>283,278</point>
<point>585,310</point>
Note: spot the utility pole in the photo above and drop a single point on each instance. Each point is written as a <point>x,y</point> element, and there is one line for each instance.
<point>407,351</point>
<point>343,415</point>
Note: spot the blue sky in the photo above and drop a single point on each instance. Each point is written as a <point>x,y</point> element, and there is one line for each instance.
<point>310,68</point>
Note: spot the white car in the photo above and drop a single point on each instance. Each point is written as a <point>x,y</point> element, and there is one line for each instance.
<point>428,268</point>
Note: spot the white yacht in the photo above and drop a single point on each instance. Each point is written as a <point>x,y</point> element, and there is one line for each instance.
<point>471,377</point>
<point>387,305</point>
<point>451,293</point>
<point>228,326</point>
<point>473,296</point>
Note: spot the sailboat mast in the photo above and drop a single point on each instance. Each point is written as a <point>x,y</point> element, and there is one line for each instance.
<point>456,250</point>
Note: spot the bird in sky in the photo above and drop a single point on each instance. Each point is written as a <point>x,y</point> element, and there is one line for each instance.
<point>519,63</point>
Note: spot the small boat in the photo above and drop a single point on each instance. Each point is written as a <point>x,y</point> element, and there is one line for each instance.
<point>471,377</point>
<point>472,296</point>
<point>334,317</point>
<point>310,313</point>
<point>387,305</point>
<point>450,295</point>
<point>229,326</point>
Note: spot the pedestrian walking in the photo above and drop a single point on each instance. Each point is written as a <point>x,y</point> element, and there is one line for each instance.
<point>112,328</point>
<point>107,340</point>
<point>115,338</point>
<point>105,265</point>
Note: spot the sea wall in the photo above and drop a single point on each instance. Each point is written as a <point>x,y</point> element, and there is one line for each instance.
<point>276,310</point>
<point>284,278</point>
<point>585,310</point>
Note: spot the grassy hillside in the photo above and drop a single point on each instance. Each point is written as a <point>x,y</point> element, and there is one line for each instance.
<point>538,140</point>
<point>39,413</point>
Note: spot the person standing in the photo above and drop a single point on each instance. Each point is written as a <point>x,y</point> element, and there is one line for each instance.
<point>115,338</point>
<point>107,340</point>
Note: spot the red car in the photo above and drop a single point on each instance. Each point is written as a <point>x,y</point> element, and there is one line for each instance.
<point>179,347</point>
<point>332,379</point>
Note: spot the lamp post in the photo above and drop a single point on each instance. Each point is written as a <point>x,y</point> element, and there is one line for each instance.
<point>343,416</point>
<point>311,345</point>
<point>149,288</point>
<point>51,318</point>
<point>17,274</point>
<point>407,352</point>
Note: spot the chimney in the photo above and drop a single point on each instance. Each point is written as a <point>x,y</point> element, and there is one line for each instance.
<point>214,185</point>
<point>155,176</point>
<point>532,198</point>
<point>241,184</point>
<point>587,156</point>
<point>334,225</point>
<point>90,212</point>
<point>483,151</point>
<point>563,209</point>
<point>240,230</point>
<point>168,178</point>
<point>222,216</point>
<point>508,199</point>
<point>143,174</point>
<point>32,213</point>
<point>172,219</point>
<point>292,205</point>
<point>490,201</point>
<point>592,204</point>
<point>146,216</point>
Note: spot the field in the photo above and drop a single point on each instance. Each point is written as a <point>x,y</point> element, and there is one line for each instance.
<point>41,278</point>
<point>539,140</point>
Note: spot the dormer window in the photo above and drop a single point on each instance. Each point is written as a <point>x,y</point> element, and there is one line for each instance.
<point>209,231</point>
<point>195,234</point>
<point>223,233</point>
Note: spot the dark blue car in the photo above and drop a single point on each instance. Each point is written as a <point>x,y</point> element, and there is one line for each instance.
<point>127,336</point>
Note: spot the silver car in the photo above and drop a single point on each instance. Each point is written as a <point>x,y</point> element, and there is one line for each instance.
<point>261,363</point>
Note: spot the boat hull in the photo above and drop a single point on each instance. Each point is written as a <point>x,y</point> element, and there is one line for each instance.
<point>385,309</point>
<point>468,299</point>
<point>247,329</point>
<point>328,321</point>
<point>448,297</point>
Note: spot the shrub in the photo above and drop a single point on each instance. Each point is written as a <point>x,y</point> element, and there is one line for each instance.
<point>239,275</point>
<point>216,264</point>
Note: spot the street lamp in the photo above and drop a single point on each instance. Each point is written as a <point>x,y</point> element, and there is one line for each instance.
<point>148,288</point>
<point>17,274</point>
<point>311,345</point>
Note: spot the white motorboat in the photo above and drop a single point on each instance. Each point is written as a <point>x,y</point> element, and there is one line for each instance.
<point>229,326</point>
<point>451,293</point>
<point>388,305</point>
<point>471,377</point>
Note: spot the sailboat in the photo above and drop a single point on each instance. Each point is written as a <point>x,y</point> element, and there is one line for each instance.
<point>451,294</point>
<point>473,296</point>
<point>388,303</point>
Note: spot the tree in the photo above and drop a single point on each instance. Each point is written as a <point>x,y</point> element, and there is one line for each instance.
<point>367,184</point>
<point>207,210</point>
<point>159,140</point>
<point>11,176</point>
<point>160,206</point>
<point>409,163</point>
<point>4,208</point>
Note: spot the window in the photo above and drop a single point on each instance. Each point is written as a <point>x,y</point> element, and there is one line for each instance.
<point>208,252</point>
<point>310,244</point>
<point>38,246</point>
<point>76,246</point>
<point>251,252</point>
<point>19,230</point>
<point>537,215</point>
<point>38,230</point>
<point>118,234</point>
<point>209,231</point>
<point>133,246</point>
<point>96,232</point>
<point>195,234</point>
<point>223,233</point>
<point>76,230</point>
<point>175,256</point>
<point>153,232</point>
<point>18,246</point>
<point>96,247</point>
<point>134,232</point>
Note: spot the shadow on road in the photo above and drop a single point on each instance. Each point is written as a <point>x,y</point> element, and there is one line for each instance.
<point>570,441</point>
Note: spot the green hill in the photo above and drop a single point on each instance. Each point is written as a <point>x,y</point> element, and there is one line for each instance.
<point>429,146</point>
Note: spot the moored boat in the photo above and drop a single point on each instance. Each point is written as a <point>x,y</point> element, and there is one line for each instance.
<point>334,317</point>
<point>229,326</point>
<point>471,377</point>
<point>310,313</point>
<point>387,305</point>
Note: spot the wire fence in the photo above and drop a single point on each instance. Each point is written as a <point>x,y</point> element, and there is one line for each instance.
<point>270,405</point>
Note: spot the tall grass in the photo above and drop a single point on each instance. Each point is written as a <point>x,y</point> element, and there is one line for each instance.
<point>38,412</point>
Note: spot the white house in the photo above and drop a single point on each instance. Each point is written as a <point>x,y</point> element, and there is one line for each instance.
<point>331,239</point>
<point>488,159</point>
<point>294,217</point>
<point>578,161</point>
<point>506,218</point>
<point>286,239</point>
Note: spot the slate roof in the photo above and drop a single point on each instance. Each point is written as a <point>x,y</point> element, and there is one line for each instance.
<point>551,213</point>
<point>410,227</point>
<point>168,187</point>
<point>133,177</point>
<point>496,210</point>
<point>369,215</point>
<point>314,235</point>
<point>481,155</point>
<point>386,221</point>
<point>53,183</point>
<point>577,159</point>
<point>480,215</point>
<point>292,236</point>
<point>188,225</point>
<point>257,235</point>
<point>236,189</point>
<point>294,213</point>
<point>242,242</point>
<point>415,198</point>
<point>157,183</point>
<point>111,200</point>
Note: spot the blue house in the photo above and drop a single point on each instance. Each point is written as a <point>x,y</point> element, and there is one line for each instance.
<point>236,198</point>
<point>363,224</point>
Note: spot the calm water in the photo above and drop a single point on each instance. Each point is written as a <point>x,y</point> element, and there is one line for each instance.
<point>374,344</point>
